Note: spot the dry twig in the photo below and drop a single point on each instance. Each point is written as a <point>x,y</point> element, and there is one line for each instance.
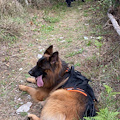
<point>114,23</point>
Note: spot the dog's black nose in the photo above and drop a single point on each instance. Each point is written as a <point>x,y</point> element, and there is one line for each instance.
<point>30,72</point>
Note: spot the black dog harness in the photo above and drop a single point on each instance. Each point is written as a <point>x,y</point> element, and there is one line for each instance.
<point>78,83</point>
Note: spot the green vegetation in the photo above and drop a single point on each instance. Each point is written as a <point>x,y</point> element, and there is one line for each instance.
<point>75,53</point>
<point>51,19</point>
<point>105,4</point>
<point>107,112</point>
<point>23,114</point>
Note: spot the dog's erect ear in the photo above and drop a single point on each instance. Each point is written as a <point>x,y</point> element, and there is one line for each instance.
<point>54,57</point>
<point>49,50</point>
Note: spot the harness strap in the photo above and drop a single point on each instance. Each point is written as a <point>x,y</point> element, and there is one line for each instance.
<point>76,90</point>
<point>67,70</point>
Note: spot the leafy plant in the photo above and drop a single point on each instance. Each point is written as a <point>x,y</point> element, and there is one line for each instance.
<point>109,98</point>
<point>89,43</point>
<point>107,3</point>
<point>98,44</point>
<point>23,114</point>
<point>105,113</point>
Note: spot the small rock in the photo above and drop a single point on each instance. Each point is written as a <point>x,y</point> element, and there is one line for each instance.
<point>19,99</point>
<point>61,37</point>
<point>21,103</point>
<point>21,81</point>
<point>39,56</point>
<point>79,8</point>
<point>15,98</point>
<point>86,38</point>
<point>99,38</point>
<point>20,69</point>
<point>62,41</point>
<point>24,108</point>
<point>29,97</point>
<point>41,50</point>
<point>92,37</point>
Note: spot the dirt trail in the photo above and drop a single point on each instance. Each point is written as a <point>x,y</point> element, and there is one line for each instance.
<point>70,36</point>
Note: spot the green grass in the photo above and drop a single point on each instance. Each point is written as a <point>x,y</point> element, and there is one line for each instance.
<point>75,53</point>
<point>19,20</point>
<point>51,19</point>
<point>77,64</point>
<point>46,28</point>
<point>27,75</point>
<point>3,83</point>
<point>24,93</point>
<point>69,40</point>
<point>98,44</point>
<point>7,37</point>
<point>89,43</point>
<point>85,15</point>
<point>23,114</point>
<point>7,59</point>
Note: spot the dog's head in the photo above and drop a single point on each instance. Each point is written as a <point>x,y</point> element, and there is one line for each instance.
<point>47,68</point>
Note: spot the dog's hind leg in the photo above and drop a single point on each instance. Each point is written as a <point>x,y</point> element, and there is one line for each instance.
<point>31,80</point>
<point>36,94</point>
<point>34,117</point>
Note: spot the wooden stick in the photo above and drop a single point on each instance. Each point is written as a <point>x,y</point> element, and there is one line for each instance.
<point>114,22</point>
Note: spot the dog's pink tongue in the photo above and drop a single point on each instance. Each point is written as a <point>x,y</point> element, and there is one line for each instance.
<point>39,81</point>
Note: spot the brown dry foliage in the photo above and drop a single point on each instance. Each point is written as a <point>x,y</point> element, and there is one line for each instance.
<point>10,7</point>
<point>10,27</point>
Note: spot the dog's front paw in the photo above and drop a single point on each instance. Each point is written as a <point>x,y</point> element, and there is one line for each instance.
<point>31,80</point>
<point>23,87</point>
<point>32,117</point>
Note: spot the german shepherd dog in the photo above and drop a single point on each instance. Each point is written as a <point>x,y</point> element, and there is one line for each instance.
<point>68,94</point>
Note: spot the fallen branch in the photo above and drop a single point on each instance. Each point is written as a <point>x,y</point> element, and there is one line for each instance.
<point>114,22</point>
<point>107,24</point>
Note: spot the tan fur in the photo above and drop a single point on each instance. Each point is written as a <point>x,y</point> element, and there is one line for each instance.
<point>32,80</point>
<point>41,93</point>
<point>34,117</point>
<point>37,94</point>
<point>61,104</point>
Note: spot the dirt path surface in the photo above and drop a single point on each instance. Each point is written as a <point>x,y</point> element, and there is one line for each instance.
<point>68,30</point>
